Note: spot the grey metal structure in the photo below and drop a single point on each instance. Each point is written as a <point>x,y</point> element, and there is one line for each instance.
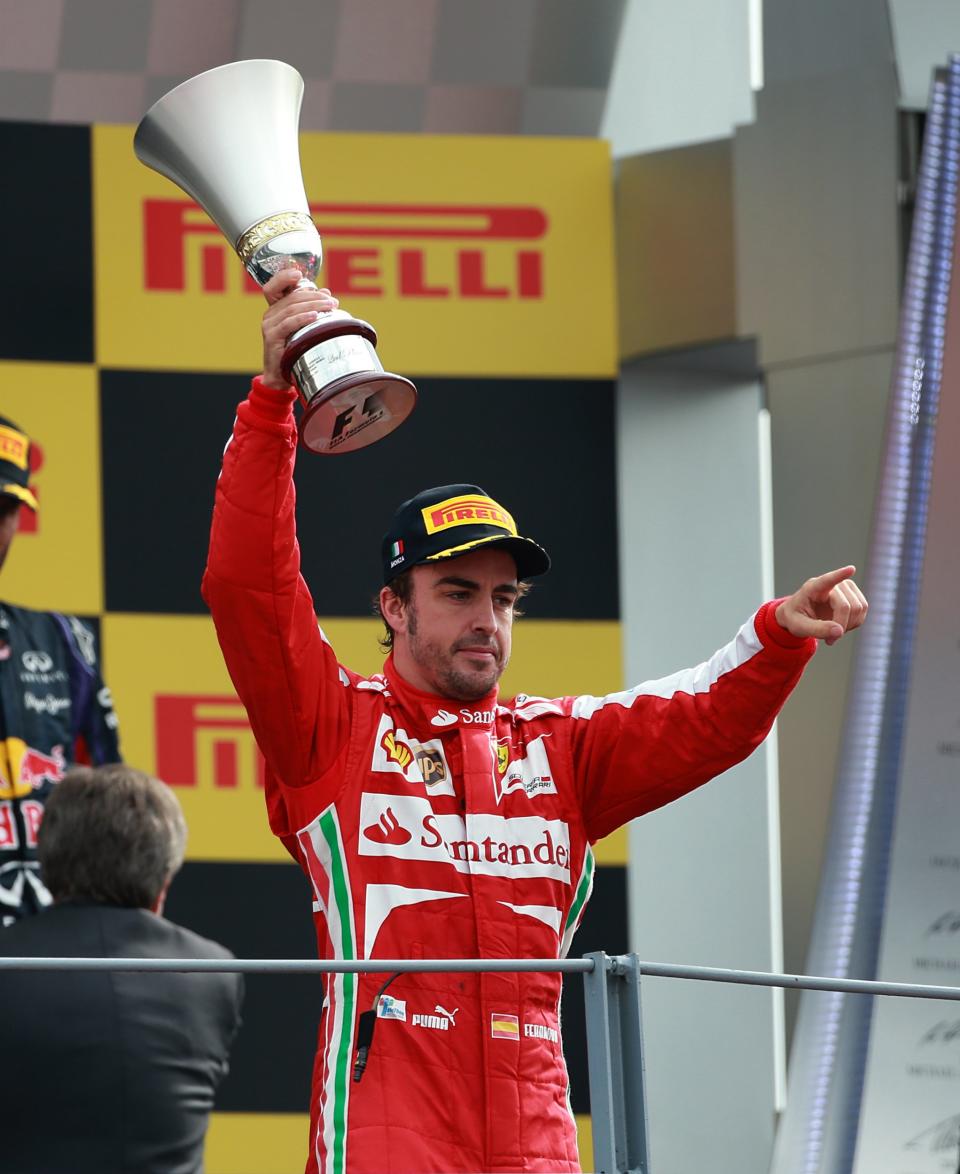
<point>618,1104</point>
<point>618,1100</point>
<point>818,1132</point>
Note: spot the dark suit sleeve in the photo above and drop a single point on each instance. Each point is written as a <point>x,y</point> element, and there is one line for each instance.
<point>234,1019</point>
<point>225,1014</point>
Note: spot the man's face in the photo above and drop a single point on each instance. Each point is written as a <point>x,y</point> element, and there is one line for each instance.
<point>454,634</point>
<point>9,521</point>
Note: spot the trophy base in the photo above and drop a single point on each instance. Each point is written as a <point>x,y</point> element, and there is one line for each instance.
<point>349,400</point>
<point>356,410</point>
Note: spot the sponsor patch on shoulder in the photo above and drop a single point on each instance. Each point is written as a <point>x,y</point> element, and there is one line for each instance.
<point>531,773</point>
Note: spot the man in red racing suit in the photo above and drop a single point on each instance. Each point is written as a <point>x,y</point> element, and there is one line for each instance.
<point>435,821</point>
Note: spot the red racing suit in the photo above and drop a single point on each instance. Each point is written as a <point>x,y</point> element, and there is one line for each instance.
<point>430,828</point>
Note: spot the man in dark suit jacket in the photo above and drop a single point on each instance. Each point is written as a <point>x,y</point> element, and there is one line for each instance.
<point>108,1072</point>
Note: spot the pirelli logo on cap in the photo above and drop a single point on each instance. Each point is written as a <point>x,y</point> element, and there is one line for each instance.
<point>14,447</point>
<point>466,511</point>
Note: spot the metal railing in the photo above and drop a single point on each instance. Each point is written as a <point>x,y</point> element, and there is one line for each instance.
<point>618,1103</point>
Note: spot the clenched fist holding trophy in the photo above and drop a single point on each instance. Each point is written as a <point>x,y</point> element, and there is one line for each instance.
<point>228,138</point>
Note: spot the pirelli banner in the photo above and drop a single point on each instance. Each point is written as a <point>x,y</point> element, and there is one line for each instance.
<point>471,256</point>
<point>486,266</point>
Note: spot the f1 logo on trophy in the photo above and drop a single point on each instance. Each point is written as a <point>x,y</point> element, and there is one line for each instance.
<point>204,135</point>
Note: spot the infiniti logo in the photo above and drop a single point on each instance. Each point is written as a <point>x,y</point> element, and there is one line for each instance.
<point>37,662</point>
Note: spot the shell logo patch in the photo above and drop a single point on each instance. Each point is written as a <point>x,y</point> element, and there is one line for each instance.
<point>396,751</point>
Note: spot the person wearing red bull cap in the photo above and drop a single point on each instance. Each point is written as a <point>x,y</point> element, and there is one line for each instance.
<point>54,707</point>
<point>436,820</point>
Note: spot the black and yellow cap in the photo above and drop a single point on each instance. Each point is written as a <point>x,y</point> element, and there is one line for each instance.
<point>451,520</point>
<point>15,463</point>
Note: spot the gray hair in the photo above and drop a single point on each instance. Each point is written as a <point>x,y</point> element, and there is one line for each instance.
<point>110,834</point>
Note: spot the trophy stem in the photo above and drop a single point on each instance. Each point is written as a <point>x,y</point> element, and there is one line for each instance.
<point>349,400</point>
<point>325,329</point>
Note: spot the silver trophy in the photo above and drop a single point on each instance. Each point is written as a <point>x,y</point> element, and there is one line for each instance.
<point>228,138</point>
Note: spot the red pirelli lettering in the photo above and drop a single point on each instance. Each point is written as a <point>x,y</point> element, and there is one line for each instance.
<point>180,718</point>
<point>168,225</point>
<point>353,272</point>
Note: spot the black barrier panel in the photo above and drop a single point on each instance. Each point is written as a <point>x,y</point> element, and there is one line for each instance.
<point>544,448</point>
<point>263,911</point>
<point>162,440</point>
<point>45,211</point>
<point>260,911</point>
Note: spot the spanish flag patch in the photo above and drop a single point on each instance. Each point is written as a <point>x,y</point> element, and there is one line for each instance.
<point>504,1026</point>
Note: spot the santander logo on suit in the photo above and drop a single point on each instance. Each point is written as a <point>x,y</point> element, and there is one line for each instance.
<point>406,827</point>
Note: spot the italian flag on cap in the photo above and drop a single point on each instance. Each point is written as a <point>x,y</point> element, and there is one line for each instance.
<point>396,550</point>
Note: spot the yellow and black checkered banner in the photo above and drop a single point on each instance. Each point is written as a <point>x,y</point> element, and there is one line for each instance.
<point>128,339</point>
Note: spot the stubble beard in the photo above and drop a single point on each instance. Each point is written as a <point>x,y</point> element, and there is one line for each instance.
<point>450,680</point>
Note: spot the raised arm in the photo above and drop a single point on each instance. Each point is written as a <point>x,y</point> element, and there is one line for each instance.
<point>281,665</point>
<point>639,749</point>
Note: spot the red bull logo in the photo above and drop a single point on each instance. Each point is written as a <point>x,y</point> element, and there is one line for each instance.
<point>24,770</point>
<point>429,251</point>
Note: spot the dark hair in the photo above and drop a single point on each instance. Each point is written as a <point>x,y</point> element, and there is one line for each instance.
<point>110,834</point>
<point>402,587</point>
